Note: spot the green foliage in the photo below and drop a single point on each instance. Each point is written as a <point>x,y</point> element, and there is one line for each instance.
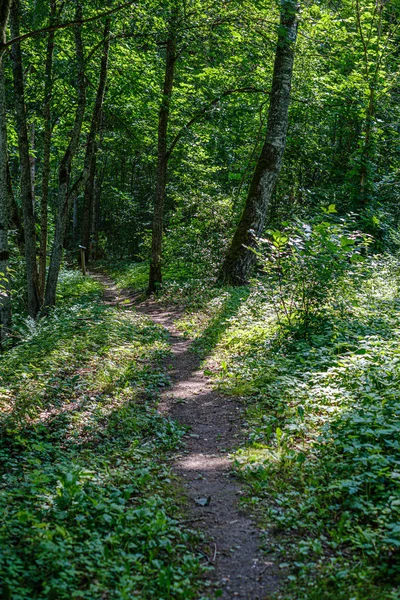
<point>85,506</point>
<point>127,275</point>
<point>207,328</point>
<point>323,456</point>
<point>86,503</point>
<point>303,263</point>
<point>181,286</point>
<point>196,237</point>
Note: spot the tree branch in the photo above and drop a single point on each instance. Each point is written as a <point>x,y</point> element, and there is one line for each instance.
<point>30,34</point>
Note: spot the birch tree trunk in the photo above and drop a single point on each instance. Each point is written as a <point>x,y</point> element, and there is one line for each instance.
<point>64,171</point>
<point>155,277</point>
<point>48,90</point>
<point>5,299</point>
<point>240,258</point>
<point>34,303</point>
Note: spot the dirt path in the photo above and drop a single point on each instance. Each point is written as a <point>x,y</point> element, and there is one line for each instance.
<point>240,569</point>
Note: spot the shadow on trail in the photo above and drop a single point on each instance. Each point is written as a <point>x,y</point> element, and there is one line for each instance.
<point>213,423</point>
<point>214,428</point>
<point>234,298</point>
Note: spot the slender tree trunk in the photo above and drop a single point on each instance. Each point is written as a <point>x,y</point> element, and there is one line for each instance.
<point>5,298</point>
<point>97,187</point>
<point>367,149</point>
<point>64,172</point>
<point>25,166</point>
<point>94,226</point>
<point>89,168</point>
<point>48,90</point>
<point>15,213</point>
<point>75,220</point>
<point>32,163</point>
<point>155,277</point>
<point>88,207</point>
<point>367,153</point>
<point>240,258</point>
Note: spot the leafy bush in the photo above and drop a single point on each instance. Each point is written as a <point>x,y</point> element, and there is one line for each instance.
<point>302,265</point>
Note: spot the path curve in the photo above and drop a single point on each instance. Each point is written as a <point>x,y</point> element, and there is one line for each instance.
<point>240,568</point>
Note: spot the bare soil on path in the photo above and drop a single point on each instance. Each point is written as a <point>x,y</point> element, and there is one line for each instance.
<point>240,570</point>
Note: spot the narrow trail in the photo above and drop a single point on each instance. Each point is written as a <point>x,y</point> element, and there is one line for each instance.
<point>241,570</point>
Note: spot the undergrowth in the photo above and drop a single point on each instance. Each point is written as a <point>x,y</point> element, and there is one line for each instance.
<point>322,462</point>
<point>180,287</point>
<point>322,459</point>
<point>86,499</point>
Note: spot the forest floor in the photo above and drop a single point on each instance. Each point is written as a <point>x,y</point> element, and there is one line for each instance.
<point>316,443</point>
<point>214,430</point>
<point>189,447</point>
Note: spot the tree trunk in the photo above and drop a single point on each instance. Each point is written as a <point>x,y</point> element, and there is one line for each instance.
<point>89,168</point>
<point>32,163</point>
<point>240,258</point>
<point>64,171</point>
<point>48,90</point>
<point>34,303</point>
<point>15,215</point>
<point>5,299</point>
<point>97,187</point>
<point>94,226</point>
<point>368,150</point>
<point>75,220</point>
<point>88,208</point>
<point>155,277</point>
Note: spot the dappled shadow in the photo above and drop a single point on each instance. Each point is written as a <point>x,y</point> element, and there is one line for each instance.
<point>323,450</point>
<point>59,368</point>
<point>94,490</point>
<point>89,448</point>
<point>99,424</point>
<point>212,334</point>
<point>83,483</point>
<point>214,423</point>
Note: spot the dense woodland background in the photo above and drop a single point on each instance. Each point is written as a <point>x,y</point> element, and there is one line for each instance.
<point>137,131</point>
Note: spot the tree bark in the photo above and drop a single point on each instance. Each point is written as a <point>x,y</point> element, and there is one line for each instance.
<point>97,188</point>
<point>240,257</point>
<point>89,168</point>
<point>88,208</point>
<point>15,215</point>
<point>155,276</point>
<point>32,163</point>
<point>5,298</point>
<point>34,303</point>
<point>48,90</point>
<point>367,149</point>
<point>64,171</point>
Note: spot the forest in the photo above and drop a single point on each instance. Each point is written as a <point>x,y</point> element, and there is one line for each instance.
<point>199,299</point>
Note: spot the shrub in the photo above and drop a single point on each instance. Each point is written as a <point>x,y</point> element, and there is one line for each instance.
<point>303,262</point>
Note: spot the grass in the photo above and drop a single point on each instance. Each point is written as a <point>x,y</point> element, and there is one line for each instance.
<point>322,461</point>
<point>126,274</point>
<point>86,497</point>
<point>179,287</point>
